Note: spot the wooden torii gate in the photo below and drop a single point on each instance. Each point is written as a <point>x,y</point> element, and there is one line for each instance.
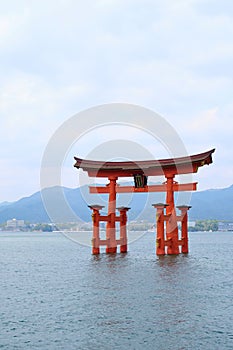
<point>167,240</point>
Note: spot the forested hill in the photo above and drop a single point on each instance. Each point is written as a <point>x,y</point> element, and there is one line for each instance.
<point>209,204</point>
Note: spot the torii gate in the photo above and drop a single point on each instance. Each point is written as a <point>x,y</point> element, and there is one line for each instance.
<point>140,170</point>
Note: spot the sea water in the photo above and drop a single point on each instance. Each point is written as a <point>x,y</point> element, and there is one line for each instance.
<point>55,295</point>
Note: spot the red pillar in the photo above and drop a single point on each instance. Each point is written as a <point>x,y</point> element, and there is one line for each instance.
<point>96,229</point>
<point>171,226</point>
<point>123,228</point>
<point>160,244</point>
<point>111,224</point>
<point>184,227</point>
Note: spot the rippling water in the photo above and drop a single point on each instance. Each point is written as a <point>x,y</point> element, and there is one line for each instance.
<point>56,295</point>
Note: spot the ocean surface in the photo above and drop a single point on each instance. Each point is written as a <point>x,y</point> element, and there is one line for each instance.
<point>55,295</point>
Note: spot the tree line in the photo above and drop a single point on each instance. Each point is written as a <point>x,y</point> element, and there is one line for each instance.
<point>205,225</point>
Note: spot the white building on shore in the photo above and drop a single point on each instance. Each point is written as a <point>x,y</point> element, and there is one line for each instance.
<point>15,224</point>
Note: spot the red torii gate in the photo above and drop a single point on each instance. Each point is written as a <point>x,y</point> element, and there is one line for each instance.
<point>140,170</point>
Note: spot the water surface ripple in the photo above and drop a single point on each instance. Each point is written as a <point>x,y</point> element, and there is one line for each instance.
<point>56,295</point>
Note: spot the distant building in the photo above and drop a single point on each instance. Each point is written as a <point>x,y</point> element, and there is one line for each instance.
<point>225,226</point>
<point>191,224</point>
<point>14,224</point>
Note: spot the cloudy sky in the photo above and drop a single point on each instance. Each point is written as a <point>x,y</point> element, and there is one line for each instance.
<point>59,57</point>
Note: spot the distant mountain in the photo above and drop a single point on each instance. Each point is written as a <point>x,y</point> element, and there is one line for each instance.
<point>28,208</point>
<point>213,204</point>
<point>209,204</point>
<point>32,208</point>
<point>4,204</point>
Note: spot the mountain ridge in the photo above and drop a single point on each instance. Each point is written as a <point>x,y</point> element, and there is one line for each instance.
<point>206,204</point>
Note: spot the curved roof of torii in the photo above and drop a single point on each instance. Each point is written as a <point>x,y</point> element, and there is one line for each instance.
<point>172,166</point>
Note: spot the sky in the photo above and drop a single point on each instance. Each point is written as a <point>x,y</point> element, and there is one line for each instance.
<point>60,57</point>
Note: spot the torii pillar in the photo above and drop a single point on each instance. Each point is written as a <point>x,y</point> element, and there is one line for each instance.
<point>160,218</point>
<point>111,224</point>
<point>110,240</point>
<point>171,223</point>
<point>123,228</point>
<point>96,228</point>
<point>184,227</point>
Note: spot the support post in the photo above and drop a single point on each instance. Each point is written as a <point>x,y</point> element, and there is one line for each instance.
<point>111,224</point>
<point>160,241</point>
<point>96,228</point>
<point>171,226</point>
<point>123,228</point>
<point>184,227</point>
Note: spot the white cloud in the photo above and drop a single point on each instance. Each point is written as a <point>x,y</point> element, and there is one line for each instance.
<point>12,27</point>
<point>59,57</point>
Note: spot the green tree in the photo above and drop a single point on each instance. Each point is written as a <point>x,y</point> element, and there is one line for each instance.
<point>206,225</point>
